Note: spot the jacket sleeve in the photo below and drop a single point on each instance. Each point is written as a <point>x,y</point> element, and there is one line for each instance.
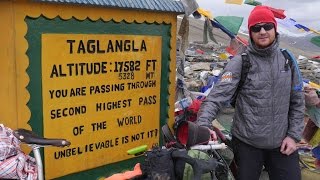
<point>297,105</point>
<point>220,93</point>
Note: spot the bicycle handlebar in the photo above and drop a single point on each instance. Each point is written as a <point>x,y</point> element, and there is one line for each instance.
<point>29,137</point>
<point>209,146</point>
<point>137,150</point>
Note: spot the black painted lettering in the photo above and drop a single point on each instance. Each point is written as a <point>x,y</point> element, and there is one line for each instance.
<point>129,120</point>
<point>97,68</point>
<point>81,68</point>
<point>99,126</point>
<point>61,72</point>
<point>80,91</point>
<point>116,142</point>
<point>71,46</point>
<point>134,49</point>
<point>68,153</point>
<point>148,100</point>
<point>77,91</point>
<point>151,64</point>
<point>83,91</point>
<point>141,84</point>
<point>68,111</point>
<point>106,88</point>
<point>137,137</point>
<point>58,93</point>
<point>104,67</point>
<point>110,47</point>
<point>143,46</point>
<point>150,75</point>
<point>78,130</point>
<point>91,48</point>
<point>72,92</point>
<point>125,139</point>
<point>127,45</point>
<point>70,66</point>
<point>81,48</point>
<point>118,45</point>
<point>61,93</point>
<point>109,143</point>
<point>51,93</point>
<point>54,72</point>
<point>57,71</point>
<point>98,48</point>
<point>89,68</point>
<point>88,147</point>
<point>103,106</point>
<point>152,133</point>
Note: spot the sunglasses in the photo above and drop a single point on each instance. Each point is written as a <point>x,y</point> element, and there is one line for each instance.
<point>266,27</point>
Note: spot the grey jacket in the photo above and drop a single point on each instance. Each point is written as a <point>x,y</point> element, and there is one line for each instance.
<point>267,107</point>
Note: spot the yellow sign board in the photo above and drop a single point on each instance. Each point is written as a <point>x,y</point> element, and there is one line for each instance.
<point>102,93</point>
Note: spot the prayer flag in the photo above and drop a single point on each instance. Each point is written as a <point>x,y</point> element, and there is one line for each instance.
<point>216,24</point>
<point>253,2</point>
<point>205,13</point>
<point>278,13</point>
<point>288,22</point>
<point>316,40</point>
<point>312,30</point>
<point>232,23</point>
<point>302,27</point>
<point>239,2</point>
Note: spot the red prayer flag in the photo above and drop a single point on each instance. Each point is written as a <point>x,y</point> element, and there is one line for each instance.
<point>278,13</point>
<point>236,45</point>
<point>242,40</point>
<point>231,51</point>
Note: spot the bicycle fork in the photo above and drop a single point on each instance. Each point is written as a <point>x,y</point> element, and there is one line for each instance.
<point>37,156</point>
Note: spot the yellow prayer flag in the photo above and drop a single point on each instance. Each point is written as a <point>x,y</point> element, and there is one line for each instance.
<point>239,2</point>
<point>223,56</point>
<point>205,13</point>
<point>317,32</point>
<point>314,85</point>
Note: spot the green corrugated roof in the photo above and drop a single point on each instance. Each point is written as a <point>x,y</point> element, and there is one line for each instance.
<point>153,5</point>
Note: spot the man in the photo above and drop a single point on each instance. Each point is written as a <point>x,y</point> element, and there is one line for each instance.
<point>269,112</point>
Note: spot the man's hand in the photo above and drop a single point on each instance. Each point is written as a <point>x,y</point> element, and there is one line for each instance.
<point>213,135</point>
<point>288,146</point>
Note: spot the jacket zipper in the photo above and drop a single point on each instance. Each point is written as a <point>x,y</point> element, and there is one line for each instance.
<point>272,94</point>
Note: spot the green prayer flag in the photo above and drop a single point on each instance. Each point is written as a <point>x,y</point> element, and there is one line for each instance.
<point>232,23</point>
<point>316,40</point>
<point>252,2</point>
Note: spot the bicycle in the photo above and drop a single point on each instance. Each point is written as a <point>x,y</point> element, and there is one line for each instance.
<point>219,150</point>
<point>165,162</point>
<point>180,156</point>
<point>36,142</point>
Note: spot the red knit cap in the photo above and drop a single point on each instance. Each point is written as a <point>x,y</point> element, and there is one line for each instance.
<point>261,14</point>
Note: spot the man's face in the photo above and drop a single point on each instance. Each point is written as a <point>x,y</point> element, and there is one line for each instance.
<point>263,34</point>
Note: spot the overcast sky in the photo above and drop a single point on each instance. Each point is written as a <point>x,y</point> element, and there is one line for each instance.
<point>305,12</point>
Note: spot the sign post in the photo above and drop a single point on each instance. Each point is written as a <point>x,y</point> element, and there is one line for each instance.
<point>102,93</point>
<point>99,75</point>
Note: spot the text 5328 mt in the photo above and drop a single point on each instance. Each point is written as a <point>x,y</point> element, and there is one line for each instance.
<point>126,66</point>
